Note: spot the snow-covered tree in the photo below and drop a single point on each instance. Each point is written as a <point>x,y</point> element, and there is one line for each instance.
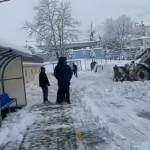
<point>91,33</point>
<point>122,55</point>
<point>53,25</point>
<point>53,56</point>
<point>92,54</point>
<point>130,56</point>
<point>108,54</point>
<point>118,32</point>
<point>71,54</point>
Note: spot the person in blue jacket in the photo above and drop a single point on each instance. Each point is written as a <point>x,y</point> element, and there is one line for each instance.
<point>63,73</point>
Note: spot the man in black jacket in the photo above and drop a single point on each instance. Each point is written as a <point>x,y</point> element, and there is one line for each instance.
<point>44,84</point>
<point>63,74</point>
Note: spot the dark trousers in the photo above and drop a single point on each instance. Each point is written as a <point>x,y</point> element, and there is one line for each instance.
<point>75,73</point>
<point>63,94</point>
<point>45,94</point>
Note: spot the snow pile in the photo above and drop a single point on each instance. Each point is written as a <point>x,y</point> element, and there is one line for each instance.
<point>34,92</point>
<point>108,70</point>
<point>15,125</point>
<point>49,68</point>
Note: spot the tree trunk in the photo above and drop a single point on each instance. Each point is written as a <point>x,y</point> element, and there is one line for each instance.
<point>57,55</point>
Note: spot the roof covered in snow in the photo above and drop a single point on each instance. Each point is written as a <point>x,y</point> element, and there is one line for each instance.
<point>144,37</point>
<point>75,45</point>
<point>5,45</point>
<point>38,51</point>
<point>141,38</point>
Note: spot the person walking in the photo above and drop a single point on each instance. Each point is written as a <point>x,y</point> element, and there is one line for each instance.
<point>63,74</point>
<point>44,84</point>
<point>75,70</point>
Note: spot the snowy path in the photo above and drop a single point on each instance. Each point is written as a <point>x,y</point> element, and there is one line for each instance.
<point>123,108</point>
<point>53,130</point>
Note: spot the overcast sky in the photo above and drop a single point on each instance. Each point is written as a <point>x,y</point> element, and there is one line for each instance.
<point>13,13</point>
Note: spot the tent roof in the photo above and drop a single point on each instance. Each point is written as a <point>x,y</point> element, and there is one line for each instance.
<point>5,45</point>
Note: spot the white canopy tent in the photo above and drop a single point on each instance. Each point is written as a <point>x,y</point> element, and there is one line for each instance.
<point>11,72</point>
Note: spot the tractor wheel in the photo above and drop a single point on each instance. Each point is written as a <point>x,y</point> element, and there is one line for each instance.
<point>142,74</point>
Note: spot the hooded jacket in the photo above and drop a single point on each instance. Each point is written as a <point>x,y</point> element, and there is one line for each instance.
<point>75,68</point>
<point>63,72</point>
<point>43,79</point>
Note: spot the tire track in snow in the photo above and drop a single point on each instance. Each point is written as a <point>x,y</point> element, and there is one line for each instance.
<point>130,127</point>
<point>112,138</point>
<point>126,127</point>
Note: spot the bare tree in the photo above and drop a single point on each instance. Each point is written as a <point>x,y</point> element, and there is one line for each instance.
<point>118,33</point>
<point>53,25</point>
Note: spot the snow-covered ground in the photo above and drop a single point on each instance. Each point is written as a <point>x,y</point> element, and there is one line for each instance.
<point>121,110</point>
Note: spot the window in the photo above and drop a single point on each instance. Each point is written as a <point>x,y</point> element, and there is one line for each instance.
<point>31,71</point>
<point>26,73</point>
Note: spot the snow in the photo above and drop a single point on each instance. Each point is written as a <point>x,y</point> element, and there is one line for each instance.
<point>49,67</point>
<point>38,50</point>
<point>19,49</point>
<point>15,125</point>
<point>122,107</point>
<point>121,111</point>
<point>144,37</point>
<point>80,42</point>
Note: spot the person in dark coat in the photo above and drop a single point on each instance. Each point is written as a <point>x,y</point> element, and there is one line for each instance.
<point>63,74</point>
<point>75,70</point>
<point>65,59</point>
<point>44,84</point>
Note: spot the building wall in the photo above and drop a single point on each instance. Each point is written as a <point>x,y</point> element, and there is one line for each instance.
<point>147,30</point>
<point>78,54</point>
<point>143,30</point>
<point>30,71</point>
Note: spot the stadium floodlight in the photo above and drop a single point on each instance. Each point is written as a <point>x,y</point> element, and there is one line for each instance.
<point>4,1</point>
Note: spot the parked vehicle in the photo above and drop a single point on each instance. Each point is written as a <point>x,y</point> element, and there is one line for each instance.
<point>137,71</point>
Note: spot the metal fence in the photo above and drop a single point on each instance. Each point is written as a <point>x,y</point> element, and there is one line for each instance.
<point>70,63</point>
